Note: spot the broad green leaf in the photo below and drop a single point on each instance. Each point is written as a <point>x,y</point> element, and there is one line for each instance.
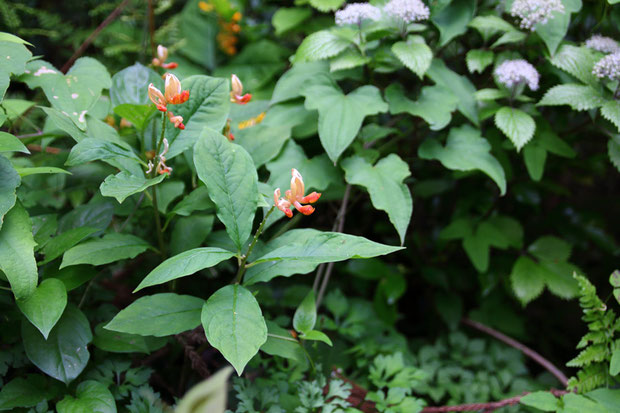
<point>340,115</point>
<point>263,142</point>
<point>384,182</point>
<point>558,278</point>
<point>168,192</point>
<point>234,324</point>
<point>611,111</point>
<point>435,104</point>
<point>534,157</point>
<point>97,214</point>
<point>527,279</point>
<point>299,251</point>
<point>45,306</point>
<point>13,58</point>
<point>577,61</point>
<point>56,246</point>
<point>348,59</point>
<point>304,319</point>
<point>112,247</point>
<point>201,29</point>
<point>490,25</point>
<point>74,276</point>
<point>326,5</point>
<point>197,200</point>
<point>8,37</point>
<point>190,232</point>
<point>478,59</point>
<point>320,45</point>
<point>415,54</point>
<point>610,398</point>
<point>476,247</point>
<point>64,354</point>
<point>37,170</point>
<point>300,76</point>
<point>117,342</point>
<point>124,184</point>
<point>514,36</point>
<point>184,264</point>
<point>8,185</point>
<point>578,97</point>
<point>549,248</point>
<point>208,105</point>
<point>315,335</point>
<point>554,30</point>
<point>26,391</point>
<point>286,19</point>
<point>130,85</point>
<point>453,19</point>
<point>9,143</point>
<point>17,252</point>
<point>90,396</point>
<point>613,151</point>
<point>574,403</point>
<point>208,396</point>
<point>279,343</point>
<point>231,179</point>
<point>465,150</point>
<point>459,85</point>
<point>541,400</point>
<point>158,315</point>
<point>516,124</point>
<point>93,149</point>
<point>490,94</point>
<point>138,115</point>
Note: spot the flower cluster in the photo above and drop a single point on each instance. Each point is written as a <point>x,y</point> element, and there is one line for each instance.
<point>532,12</point>
<point>407,10</point>
<point>355,13</point>
<point>608,67</point>
<point>227,37</point>
<point>161,167</point>
<point>295,196</point>
<point>513,72</point>
<point>236,92</point>
<point>602,44</point>
<point>160,60</point>
<point>172,95</point>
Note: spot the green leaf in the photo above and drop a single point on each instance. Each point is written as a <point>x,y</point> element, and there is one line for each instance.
<point>64,354</point>
<point>91,396</point>
<point>415,54</point>
<point>93,149</point>
<point>17,252</point>
<point>263,142</point>
<point>527,279</point>
<point>384,182</point>
<point>234,324</point>
<point>613,151</point>
<point>465,150</point>
<point>286,19</point>
<point>611,111</point>
<point>578,97</point>
<point>315,335</point>
<point>549,248</point>
<point>577,61</point>
<point>138,115</point>
<point>8,186</point>
<point>554,30</point>
<point>614,364</point>
<point>610,398</point>
<point>300,76</point>
<point>574,403</point>
<point>534,157</point>
<point>117,342</point>
<point>190,232</point>
<point>476,247</point>
<point>459,85</point>
<point>197,200</point>
<point>56,246</point>
<point>453,19</point>
<point>320,45</point>
<point>45,306</point>
<point>124,184</point>
<point>184,264</point>
<point>8,37</point>
<point>541,400</point>
<point>435,104</point>
<point>516,124</point>
<point>112,247</point>
<point>26,391</point>
<point>13,58</point>
<point>348,59</point>
<point>158,315</point>
<point>281,343</point>
<point>130,85</point>
<point>208,105</point>
<point>208,396</point>
<point>304,319</point>
<point>40,170</point>
<point>478,59</point>
<point>232,182</point>
<point>9,143</point>
<point>340,115</point>
<point>326,5</point>
<point>490,25</point>
<point>299,251</point>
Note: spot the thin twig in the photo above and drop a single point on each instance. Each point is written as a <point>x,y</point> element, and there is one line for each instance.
<point>115,13</point>
<point>557,373</point>
<point>39,148</point>
<point>486,407</point>
<point>133,211</point>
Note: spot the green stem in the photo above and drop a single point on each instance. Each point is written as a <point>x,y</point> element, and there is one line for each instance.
<point>308,356</point>
<point>160,233</point>
<point>244,258</point>
<point>362,47</point>
<point>282,337</point>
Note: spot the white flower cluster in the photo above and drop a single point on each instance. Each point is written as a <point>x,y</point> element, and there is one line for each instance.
<point>603,44</point>
<point>512,72</point>
<point>608,67</point>
<point>354,13</point>
<point>532,12</point>
<point>408,10</point>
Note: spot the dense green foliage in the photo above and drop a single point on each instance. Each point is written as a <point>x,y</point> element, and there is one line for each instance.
<point>301,207</point>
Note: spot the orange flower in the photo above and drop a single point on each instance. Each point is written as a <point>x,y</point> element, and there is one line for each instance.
<point>172,93</point>
<point>295,196</point>
<point>206,7</point>
<point>160,60</point>
<point>177,120</point>
<point>157,98</point>
<point>236,93</point>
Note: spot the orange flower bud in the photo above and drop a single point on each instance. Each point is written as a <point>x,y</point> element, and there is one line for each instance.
<point>295,196</point>
<point>177,120</point>
<point>157,98</point>
<point>236,92</point>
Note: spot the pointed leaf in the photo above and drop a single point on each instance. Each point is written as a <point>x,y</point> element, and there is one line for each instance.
<point>315,335</point>
<point>320,45</point>
<point>9,143</point>
<point>26,391</point>
<point>305,315</point>
<point>435,104</point>
<point>130,85</point>
<point>208,396</point>
<point>578,97</point>
<point>527,280</point>
<point>124,184</point>
<point>459,85</point>
<point>112,247</point>
<point>93,149</point>
<point>8,185</point>
<point>56,246</point>
<point>415,54</point>
<point>477,60</point>
<point>46,305</point>
<point>541,400</point>
<point>516,124</point>
<point>453,19</point>
<point>91,396</point>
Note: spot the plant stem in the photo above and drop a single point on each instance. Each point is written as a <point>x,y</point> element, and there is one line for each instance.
<point>282,337</point>
<point>244,258</point>
<point>362,47</point>
<point>160,233</point>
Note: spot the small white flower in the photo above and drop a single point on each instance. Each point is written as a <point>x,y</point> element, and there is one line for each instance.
<point>532,12</point>
<point>354,13</point>
<point>512,72</point>
<point>408,10</point>
<point>603,44</point>
<point>608,67</point>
